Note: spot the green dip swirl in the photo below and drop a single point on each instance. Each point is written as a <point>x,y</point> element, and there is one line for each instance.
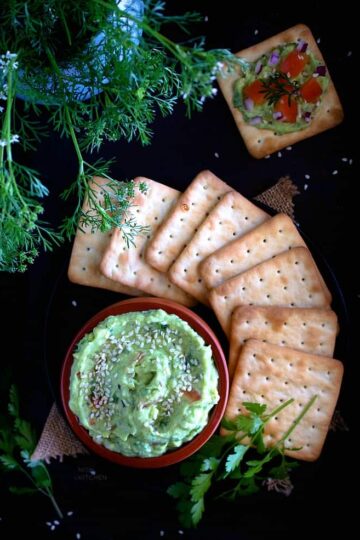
<point>143,383</point>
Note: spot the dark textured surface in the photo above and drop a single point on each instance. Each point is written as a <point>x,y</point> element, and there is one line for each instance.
<point>111,502</point>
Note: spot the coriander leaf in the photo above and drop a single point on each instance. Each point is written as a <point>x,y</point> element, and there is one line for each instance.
<point>26,437</point>
<point>197,510</point>
<point>191,466</point>
<point>41,476</point>
<point>256,408</point>
<point>247,486</point>
<point>9,462</point>
<point>209,464</point>
<point>258,441</point>
<point>6,441</point>
<point>13,406</point>
<point>22,490</point>
<point>215,446</point>
<point>184,507</point>
<point>233,460</point>
<point>200,485</point>
<point>229,424</point>
<point>282,471</point>
<point>248,424</point>
<point>178,490</point>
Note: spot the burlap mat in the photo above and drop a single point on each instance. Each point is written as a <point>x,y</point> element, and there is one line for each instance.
<point>57,440</point>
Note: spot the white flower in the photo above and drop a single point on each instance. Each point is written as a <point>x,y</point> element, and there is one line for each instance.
<point>3,143</point>
<point>11,56</point>
<point>214,91</point>
<point>15,138</point>
<point>1,109</point>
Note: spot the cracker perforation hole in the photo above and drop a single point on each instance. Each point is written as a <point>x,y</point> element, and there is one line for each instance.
<point>83,268</point>
<point>231,261</point>
<point>216,271</point>
<point>88,249</point>
<point>264,240</point>
<point>248,251</point>
<point>234,233</point>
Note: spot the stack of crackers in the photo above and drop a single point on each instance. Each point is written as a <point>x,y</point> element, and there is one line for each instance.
<point>211,244</point>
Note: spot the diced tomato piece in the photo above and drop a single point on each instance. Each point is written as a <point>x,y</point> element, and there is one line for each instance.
<point>287,109</point>
<point>293,63</point>
<point>311,90</point>
<point>253,91</point>
<point>192,395</point>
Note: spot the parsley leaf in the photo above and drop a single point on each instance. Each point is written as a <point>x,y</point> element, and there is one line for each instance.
<point>233,460</point>
<point>17,443</point>
<point>222,459</point>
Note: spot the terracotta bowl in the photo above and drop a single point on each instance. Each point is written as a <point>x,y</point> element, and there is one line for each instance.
<point>200,326</point>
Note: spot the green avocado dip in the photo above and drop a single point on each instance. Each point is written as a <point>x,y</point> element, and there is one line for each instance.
<point>282,90</point>
<point>143,383</point>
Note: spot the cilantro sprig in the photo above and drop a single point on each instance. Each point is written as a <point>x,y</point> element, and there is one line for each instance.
<point>222,459</point>
<point>17,443</point>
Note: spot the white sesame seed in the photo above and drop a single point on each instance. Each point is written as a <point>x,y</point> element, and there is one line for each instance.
<point>162,533</point>
<point>48,523</point>
<point>307,176</point>
<point>78,536</point>
<point>56,522</point>
<point>206,18</point>
<point>289,148</point>
<point>344,159</point>
<point>74,303</point>
<point>279,154</point>
<point>52,528</point>
<point>256,32</point>
<point>305,187</point>
<point>350,161</point>
<point>349,53</point>
<point>216,155</point>
<point>267,157</point>
<point>180,531</point>
<point>334,172</point>
<point>318,40</point>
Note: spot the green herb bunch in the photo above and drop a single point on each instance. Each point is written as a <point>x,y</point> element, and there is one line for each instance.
<point>236,464</point>
<point>102,71</point>
<point>17,443</point>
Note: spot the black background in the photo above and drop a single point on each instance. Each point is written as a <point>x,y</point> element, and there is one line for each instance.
<point>111,502</point>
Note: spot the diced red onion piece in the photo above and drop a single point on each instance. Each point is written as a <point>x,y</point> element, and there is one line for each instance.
<point>258,67</point>
<point>321,70</point>
<point>249,104</point>
<point>307,116</point>
<point>274,58</point>
<point>277,115</point>
<point>302,46</point>
<point>256,120</point>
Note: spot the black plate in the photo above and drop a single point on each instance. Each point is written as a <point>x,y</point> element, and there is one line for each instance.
<point>70,306</point>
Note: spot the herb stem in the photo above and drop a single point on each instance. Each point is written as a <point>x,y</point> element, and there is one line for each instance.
<point>296,421</point>
<point>55,504</point>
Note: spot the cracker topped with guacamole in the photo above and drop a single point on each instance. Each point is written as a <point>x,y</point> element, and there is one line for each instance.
<point>143,383</point>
